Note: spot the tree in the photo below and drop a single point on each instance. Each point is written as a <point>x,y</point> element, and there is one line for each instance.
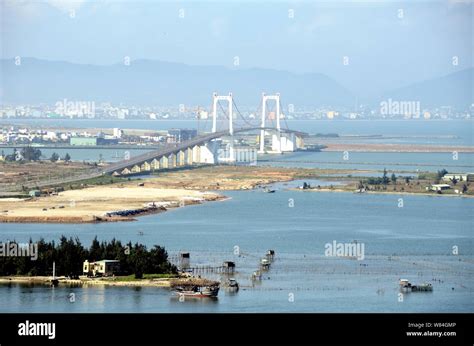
<point>454,181</point>
<point>442,173</point>
<point>407,180</point>
<point>95,252</point>
<point>69,256</point>
<point>138,259</point>
<point>31,154</point>
<point>393,178</point>
<point>54,157</point>
<point>67,157</point>
<point>464,188</point>
<point>385,179</point>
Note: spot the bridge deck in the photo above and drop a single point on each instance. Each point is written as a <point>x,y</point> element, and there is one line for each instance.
<point>175,148</point>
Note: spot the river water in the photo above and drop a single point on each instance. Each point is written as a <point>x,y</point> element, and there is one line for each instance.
<point>415,242</point>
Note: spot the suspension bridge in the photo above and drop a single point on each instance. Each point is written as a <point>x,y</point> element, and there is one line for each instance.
<point>203,149</point>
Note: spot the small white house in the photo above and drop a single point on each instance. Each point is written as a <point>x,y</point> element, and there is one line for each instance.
<point>439,187</point>
<point>101,268</point>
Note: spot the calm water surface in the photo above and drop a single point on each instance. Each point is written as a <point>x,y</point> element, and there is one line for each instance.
<point>413,242</point>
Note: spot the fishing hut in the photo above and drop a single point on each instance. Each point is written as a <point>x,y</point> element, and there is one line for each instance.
<point>184,260</point>
<point>264,264</point>
<point>257,275</point>
<point>270,255</point>
<point>228,267</point>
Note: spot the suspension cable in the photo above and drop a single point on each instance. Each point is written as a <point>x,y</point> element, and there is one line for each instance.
<point>286,124</point>
<point>241,116</point>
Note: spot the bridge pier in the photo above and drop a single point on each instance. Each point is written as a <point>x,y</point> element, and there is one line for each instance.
<point>145,167</point>
<point>164,162</point>
<point>284,143</point>
<point>276,141</point>
<point>155,164</point>
<point>196,153</point>
<point>231,149</point>
<point>172,161</point>
<point>180,158</point>
<point>189,156</point>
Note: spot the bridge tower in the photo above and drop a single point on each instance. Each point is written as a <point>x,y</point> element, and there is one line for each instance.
<point>215,99</point>
<point>266,98</point>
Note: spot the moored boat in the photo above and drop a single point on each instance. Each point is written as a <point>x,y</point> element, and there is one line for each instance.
<point>407,286</point>
<point>196,288</point>
<point>232,285</point>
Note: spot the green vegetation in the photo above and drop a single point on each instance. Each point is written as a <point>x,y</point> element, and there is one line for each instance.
<point>393,178</point>
<point>69,255</point>
<point>54,157</point>
<point>26,154</point>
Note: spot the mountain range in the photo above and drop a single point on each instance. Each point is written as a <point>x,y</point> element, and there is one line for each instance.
<point>153,83</point>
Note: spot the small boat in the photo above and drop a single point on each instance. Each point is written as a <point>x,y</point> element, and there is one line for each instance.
<point>407,286</point>
<point>232,285</point>
<point>268,190</point>
<point>196,288</point>
<point>198,292</point>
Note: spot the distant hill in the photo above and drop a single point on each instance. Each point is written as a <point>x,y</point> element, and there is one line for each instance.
<point>455,89</point>
<point>147,82</point>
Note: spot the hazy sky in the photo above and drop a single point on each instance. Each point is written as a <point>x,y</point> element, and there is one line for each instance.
<point>388,44</point>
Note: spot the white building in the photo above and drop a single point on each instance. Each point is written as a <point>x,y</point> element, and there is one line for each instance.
<point>457,176</point>
<point>439,187</point>
<point>117,133</point>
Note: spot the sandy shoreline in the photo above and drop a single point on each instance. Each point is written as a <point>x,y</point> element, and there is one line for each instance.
<point>86,281</point>
<point>110,203</point>
<point>127,200</point>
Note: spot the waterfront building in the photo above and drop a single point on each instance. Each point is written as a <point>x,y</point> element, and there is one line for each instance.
<point>458,176</point>
<point>439,187</point>
<point>101,268</point>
